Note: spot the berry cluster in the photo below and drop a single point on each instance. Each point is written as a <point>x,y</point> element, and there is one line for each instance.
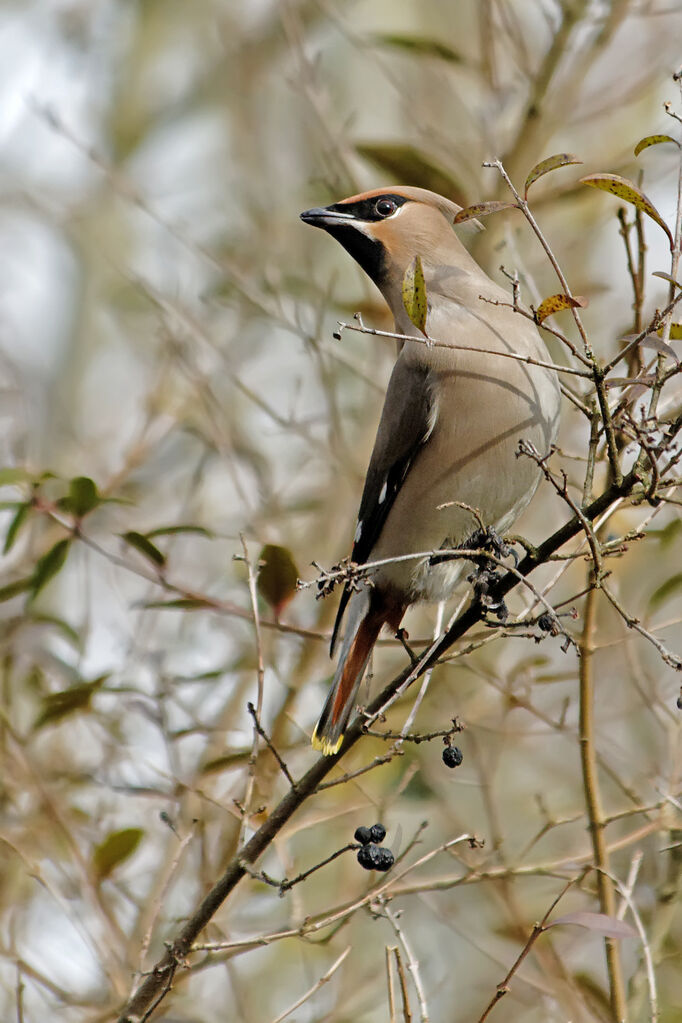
<point>371,855</point>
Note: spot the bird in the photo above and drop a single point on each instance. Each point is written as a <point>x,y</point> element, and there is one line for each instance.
<point>450,427</point>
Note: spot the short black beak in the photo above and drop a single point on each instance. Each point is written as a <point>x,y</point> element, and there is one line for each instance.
<point>320,217</point>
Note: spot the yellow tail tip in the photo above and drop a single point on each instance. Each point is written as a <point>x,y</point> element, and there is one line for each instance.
<point>326,746</point>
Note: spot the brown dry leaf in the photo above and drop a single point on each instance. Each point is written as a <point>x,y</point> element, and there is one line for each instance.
<point>550,164</point>
<point>628,192</point>
<point>557,303</point>
<point>482,209</point>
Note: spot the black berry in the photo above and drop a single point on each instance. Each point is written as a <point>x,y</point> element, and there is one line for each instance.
<point>377,833</point>
<point>384,860</point>
<point>375,857</point>
<point>363,836</point>
<point>452,756</point>
<point>369,856</point>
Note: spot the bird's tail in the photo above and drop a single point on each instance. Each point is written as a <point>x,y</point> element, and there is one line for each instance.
<point>363,625</point>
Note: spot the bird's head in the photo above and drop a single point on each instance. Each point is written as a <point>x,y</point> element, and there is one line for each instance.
<point>383,230</point>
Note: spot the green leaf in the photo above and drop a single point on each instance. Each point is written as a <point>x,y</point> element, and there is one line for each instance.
<point>12,475</point>
<point>557,303</point>
<point>654,140</point>
<point>15,525</point>
<point>628,192</point>
<point>482,209</point>
<point>550,164</point>
<point>49,565</point>
<point>173,530</point>
<point>414,294</point>
<point>82,497</point>
<point>277,576</point>
<point>56,706</point>
<point>419,45</point>
<point>66,630</point>
<point>145,547</point>
<point>406,163</point>
<point>675,331</point>
<point>665,591</point>
<point>13,589</point>
<point>116,847</point>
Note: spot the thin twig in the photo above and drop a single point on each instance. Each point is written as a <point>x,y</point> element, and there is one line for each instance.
<point>503,987</point>
<point>412,962</point>
<point>316,987</point>
<point>261,731</point>
<point>595,813</point>
<point>430,342</point>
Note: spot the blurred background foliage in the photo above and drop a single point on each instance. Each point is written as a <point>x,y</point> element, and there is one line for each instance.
<point>166,332</point>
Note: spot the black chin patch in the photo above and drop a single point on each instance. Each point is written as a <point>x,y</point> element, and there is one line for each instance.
<point>367,252</point>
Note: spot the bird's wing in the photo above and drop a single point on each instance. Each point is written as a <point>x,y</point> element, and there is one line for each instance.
<point>407,421</point>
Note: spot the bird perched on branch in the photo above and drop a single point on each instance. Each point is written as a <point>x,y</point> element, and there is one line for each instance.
<point>450,427</point>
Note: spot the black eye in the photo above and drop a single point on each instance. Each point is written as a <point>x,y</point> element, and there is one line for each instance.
<point>385,207</point>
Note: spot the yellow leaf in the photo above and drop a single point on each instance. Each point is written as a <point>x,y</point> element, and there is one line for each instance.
<point>628,192</point>
<point>550,164</point>
<point>675,332</point>
<point>481,209</point>
<point>653,140</point>
<point>556,303</point>
<point>414,294</point>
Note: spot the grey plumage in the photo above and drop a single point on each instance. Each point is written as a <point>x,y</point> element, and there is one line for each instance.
<point>450,426</point>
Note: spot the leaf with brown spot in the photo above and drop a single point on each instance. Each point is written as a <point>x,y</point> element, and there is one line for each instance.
<point>654,140</point>
<point>557,303</point>
<point>675,331</point>
<point>628,192</point>
<point>482,209</point>
<point>550,164</point>
<point>277,577</point>
<point>414,294</point>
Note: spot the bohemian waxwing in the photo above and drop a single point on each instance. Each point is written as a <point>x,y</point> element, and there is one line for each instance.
<point>450,426</point>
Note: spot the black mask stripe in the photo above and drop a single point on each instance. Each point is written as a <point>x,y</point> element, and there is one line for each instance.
<point>365,209</point>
